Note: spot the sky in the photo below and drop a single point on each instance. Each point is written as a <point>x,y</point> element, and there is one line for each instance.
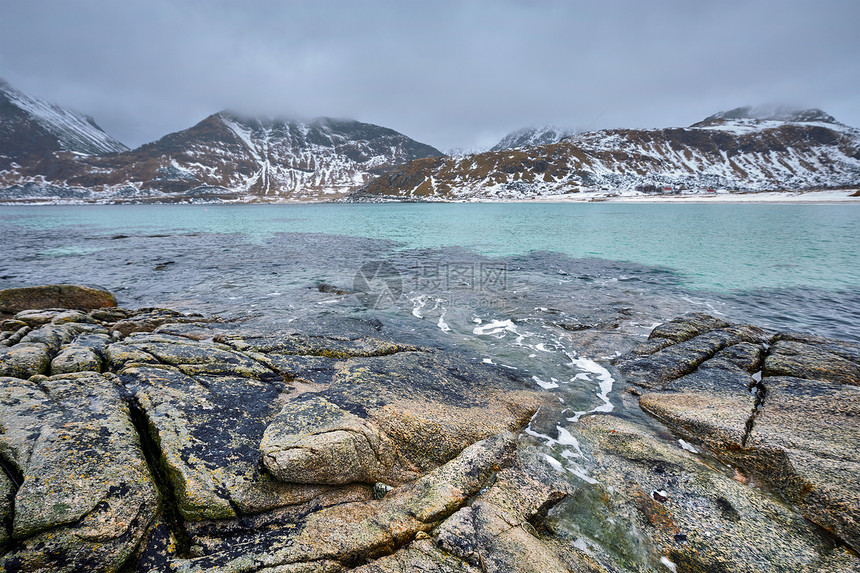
<point>452,74</point>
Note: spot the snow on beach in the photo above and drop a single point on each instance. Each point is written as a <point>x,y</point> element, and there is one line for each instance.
<point>827,196</point>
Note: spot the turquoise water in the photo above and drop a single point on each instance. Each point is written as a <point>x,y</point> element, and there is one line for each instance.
<point>710,247</point>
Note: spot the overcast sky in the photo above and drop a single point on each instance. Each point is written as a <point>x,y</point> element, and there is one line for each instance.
<point>447,73</point>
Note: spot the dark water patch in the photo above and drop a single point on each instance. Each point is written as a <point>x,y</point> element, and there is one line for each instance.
<point>834,314</point>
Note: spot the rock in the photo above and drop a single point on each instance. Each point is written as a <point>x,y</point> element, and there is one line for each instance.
<point>353,532</point>
<point>193,393</point>
<point>86,495</point>
<point>56,336</point>
<point>687,327</point>
<point>306,345</point>
<point>54,296</point>
<point>24,360</point>
<point>202,448</point>
<point>108,314</point>
<point>12,325</point>
<point>7,495</point>
<point>662,359</point>
<point>804,441</point>
<point>85,352</point>
<point>499,531</point>
<point>827,360</point>
<point>422,554</point>
<point>76,359</point>
<point>795,428</point>
<point>208,429</point>
<point>391,418</point>
<point>707,521</point>
<point>314,441</point>
<point>150,319</point>
<point>71,316</point>
<point>36,318</point>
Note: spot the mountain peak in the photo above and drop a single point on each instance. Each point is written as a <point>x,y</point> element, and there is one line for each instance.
<point>36,126</point>
<point>529,136</point>
<point>770,113</point>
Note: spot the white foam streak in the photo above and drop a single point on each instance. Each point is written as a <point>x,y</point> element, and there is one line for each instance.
<point>543,384</point>
<point>604,378</point>
<point>495,328</point>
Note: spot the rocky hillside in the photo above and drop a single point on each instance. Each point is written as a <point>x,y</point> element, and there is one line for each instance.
<point>530,136</point>
<point>739,150</point>
<point>225,156</point>
<point>33,130</point>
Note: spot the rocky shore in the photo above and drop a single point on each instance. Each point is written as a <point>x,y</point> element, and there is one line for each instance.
<point>151,440</point>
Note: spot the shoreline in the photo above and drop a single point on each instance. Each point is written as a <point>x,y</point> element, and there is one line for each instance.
<point>831,196</point>
<point>841,196</point>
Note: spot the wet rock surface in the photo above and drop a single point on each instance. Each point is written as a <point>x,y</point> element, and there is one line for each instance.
<point>154,441</point>
<point>781,407</point>
<point>649,500</point>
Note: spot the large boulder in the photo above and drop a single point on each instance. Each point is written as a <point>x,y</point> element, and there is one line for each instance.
<point>15,300</point>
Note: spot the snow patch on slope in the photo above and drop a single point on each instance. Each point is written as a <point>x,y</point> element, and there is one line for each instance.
<point>75,132</point>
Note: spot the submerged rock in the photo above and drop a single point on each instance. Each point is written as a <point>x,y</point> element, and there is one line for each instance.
<point>784,409</point>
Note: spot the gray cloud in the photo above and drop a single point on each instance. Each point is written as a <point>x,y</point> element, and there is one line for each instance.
<point>448,73</point>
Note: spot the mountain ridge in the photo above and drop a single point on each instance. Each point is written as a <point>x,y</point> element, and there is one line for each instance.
<point>31,127</point>
<point>730,153</point>
<point>51,154</point>
<point>531,136</point>
<point>225,156</point>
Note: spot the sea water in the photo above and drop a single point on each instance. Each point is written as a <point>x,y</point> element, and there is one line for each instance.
<point>552,291</point>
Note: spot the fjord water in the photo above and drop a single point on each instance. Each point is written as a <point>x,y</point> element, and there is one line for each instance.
<point>554,291</point>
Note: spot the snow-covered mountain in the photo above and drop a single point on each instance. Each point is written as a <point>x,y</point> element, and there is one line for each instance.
<point>31,128</point>
<point>226,156</point>
<point>530,136</point>
<point>259,158</point>
<point>48,153</point>
<point>739,150</point>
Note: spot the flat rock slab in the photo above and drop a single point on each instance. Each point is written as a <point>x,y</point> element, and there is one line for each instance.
<point>786,410</point>
<point>54,296</point>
